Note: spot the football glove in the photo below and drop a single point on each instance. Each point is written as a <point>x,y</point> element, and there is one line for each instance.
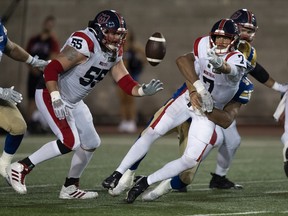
<point>214,60</point>
<point>59,106</point>
<point>207,100</point>
<point>36,62</point>
<point>9,94</point>
<point>151,88</point>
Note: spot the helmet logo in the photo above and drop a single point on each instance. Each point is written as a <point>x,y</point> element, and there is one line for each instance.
<point>103,18</point>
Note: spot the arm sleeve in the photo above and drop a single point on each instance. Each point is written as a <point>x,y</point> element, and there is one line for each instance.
<point>259,73</point>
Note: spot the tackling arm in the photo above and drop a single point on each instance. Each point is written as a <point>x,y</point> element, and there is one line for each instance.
<point>262,76</point>
<point>225,117</point>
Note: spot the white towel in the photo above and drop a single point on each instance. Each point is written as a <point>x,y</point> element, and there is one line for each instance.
<point>280,108</point>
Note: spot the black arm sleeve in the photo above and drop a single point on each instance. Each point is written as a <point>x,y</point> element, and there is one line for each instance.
<point>259,73</point>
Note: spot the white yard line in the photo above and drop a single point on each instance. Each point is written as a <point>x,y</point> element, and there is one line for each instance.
<point>235,213</point>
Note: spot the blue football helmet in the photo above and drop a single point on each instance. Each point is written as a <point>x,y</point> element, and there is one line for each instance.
<point>245,19</point>
<point>227,28</point>
<point>109,21</point>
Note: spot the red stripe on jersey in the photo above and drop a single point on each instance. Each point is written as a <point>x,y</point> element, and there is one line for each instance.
<point>87,39</point>
<point>213,138</point>
<point>196,44</point>
<point>68,136</point>
<point>229,55</point>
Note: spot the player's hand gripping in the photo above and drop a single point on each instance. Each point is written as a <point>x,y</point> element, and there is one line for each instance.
<point>214,60</point>
<point>38,63</point>
<point>9,94</point>
<point>59,106</point>
<point>207,100</point>
<point>151,88</point>
<point>282,88</point>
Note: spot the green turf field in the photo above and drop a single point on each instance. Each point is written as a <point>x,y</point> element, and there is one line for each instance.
<point>258,166</point>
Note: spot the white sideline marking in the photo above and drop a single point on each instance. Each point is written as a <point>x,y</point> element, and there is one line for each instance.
<point>235,213</point>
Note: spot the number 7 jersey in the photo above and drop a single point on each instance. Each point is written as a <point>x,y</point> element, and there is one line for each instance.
<point>221,86</point>
<point>77,82</point>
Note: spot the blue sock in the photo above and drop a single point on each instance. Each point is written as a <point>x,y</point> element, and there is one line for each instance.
<point>12,143</point>
<point>176,183</point>
<point>136,164</point>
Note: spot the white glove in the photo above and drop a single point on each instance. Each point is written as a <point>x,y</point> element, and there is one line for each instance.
<point>280,87</point>
<point>207,101</point>
<point>214,60</point>
<point>9,94</point>
<point>150,88</point>
<point>59,106</point>
<point>36,62</point>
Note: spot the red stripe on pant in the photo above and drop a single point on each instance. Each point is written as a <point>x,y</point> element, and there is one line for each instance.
<point>68,136</point>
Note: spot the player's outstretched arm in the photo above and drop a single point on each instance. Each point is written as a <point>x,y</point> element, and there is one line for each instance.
<point>130,86</point>
<point>262,76</point>
<point>17,53</point>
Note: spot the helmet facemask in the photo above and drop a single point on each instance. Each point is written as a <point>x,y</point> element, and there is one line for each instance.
<point>113,40</point>
<point>247,33</point>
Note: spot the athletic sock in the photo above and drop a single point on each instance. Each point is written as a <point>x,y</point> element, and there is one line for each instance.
<point>12,143</point>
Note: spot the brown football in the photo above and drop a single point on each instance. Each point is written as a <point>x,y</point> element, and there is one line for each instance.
<point>155,48</point>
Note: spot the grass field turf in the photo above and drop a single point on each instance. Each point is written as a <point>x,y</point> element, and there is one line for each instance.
<point>258,166</point>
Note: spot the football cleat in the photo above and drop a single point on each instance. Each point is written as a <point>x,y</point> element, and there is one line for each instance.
<point>3,166</point>
<point>112,181</point>
<point>163,188</point>
<point>16,173</point>
<point>73,192</point>
<point>221,182</point>
<point>124,183</point>
<point>140,186</point>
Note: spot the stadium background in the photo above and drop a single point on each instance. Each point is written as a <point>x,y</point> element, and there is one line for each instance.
<point>181,22</point>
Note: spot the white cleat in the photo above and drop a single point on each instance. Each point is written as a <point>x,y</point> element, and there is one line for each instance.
<point>16,173</point>
<point>3,166</point>
<point>163,188</point>
<point>73,192</point>
<point>124,183</point>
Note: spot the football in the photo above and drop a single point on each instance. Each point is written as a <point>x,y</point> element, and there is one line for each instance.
<point>155,48</point>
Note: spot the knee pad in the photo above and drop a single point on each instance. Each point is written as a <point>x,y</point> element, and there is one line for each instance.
<point>62,148</point>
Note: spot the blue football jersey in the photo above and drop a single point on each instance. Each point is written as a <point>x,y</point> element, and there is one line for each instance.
<point>244,92</point>
<point>3,37</point>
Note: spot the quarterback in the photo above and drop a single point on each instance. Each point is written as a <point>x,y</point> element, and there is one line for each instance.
<point>215,67</point>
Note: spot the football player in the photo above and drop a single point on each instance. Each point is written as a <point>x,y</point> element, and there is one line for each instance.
<point>11,120</point>
<point>86,57</point>
<point>246,21</point>
<point>214,66</point>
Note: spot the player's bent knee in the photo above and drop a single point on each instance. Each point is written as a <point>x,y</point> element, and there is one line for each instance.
<point>63,148</point>
<point>18,127</point>
<point>91,144</point>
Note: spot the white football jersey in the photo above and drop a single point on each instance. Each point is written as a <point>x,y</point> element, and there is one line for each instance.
<point>79,81</point>
<point>221,86</point>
